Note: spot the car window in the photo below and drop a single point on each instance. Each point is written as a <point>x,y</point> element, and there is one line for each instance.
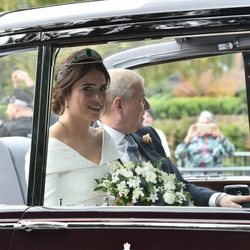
<point>178,91</point>
<point>16,116</point>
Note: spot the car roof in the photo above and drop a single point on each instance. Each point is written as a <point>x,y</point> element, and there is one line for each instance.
<point>49,17</point>
<point>177,49</point>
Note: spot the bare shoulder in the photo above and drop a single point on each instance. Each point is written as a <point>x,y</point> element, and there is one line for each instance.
<point>55,131</point>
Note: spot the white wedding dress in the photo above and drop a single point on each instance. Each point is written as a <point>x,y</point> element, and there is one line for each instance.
<point>70,178</point>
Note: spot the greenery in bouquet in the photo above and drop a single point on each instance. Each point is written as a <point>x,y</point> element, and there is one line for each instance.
<point>143,183</point>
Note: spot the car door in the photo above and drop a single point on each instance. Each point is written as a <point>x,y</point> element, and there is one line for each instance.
<point>131,228</point>
<point>9,217</point>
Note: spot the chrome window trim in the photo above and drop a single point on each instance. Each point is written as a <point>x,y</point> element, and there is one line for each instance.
<point>178,224</point>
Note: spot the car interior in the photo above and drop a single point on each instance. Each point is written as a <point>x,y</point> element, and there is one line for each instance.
<point>13,187</point>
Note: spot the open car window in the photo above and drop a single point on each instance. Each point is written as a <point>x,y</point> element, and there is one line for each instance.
<point>179,88</point>
<point>17,96</point>
<point>181,81</point>
<point>215,84</point>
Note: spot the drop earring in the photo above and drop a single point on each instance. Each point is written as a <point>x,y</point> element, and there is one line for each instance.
<point>66,104</point>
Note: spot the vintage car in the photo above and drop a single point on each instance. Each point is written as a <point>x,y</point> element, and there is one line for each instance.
<point>154,32</point>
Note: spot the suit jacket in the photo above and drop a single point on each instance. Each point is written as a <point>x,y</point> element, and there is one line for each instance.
<point>154,152</point>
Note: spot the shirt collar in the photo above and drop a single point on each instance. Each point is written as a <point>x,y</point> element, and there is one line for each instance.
<point>116,135</point>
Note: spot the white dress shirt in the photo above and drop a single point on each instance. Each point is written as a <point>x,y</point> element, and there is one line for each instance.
<point>117,138</point>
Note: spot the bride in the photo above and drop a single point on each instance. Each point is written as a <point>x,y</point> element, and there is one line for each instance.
<point>78,153</point>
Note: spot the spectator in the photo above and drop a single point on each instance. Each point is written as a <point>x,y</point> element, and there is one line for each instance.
<point>19,112</point>
<point>18,76</point>
<point>149,121</point>
<point>205,145</point>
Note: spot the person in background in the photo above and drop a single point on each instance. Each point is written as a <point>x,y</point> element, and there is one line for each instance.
<point>19,106</point>
<point>149,121</point>
<point>204,145</point>
<point>19,113</point>
<point>19,76</point>
<point>77,152</point>
<point>123,116</point>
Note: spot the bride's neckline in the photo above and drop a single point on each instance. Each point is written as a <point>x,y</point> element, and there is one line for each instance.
<point>78,153</point>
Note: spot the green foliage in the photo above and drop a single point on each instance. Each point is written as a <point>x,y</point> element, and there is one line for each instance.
<point>3,112</point>
<point>237,135</point>
<point>6,67</point>
<point>176,108</point>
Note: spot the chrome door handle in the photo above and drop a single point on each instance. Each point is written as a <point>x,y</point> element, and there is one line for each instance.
<point>38,225</point>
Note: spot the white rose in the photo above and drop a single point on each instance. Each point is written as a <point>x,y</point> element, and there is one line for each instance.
<point>151,177</point>
<point>169,198</point>
<point>148,166</point>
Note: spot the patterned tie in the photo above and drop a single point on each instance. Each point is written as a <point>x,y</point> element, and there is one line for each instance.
<point>132,149</point>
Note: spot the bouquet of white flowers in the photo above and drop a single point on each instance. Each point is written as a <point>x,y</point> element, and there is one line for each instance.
<point>144,184</point>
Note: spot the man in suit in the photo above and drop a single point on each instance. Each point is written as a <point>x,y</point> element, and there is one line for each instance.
<point>126,104</point>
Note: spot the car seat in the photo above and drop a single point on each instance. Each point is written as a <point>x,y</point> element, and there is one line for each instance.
<point>13,187</point>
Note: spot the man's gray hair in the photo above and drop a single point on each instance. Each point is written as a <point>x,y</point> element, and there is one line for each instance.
<point>205,114</point>
<point>121,82</point>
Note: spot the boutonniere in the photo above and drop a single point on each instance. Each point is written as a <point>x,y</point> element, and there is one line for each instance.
<point>147,138</point>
